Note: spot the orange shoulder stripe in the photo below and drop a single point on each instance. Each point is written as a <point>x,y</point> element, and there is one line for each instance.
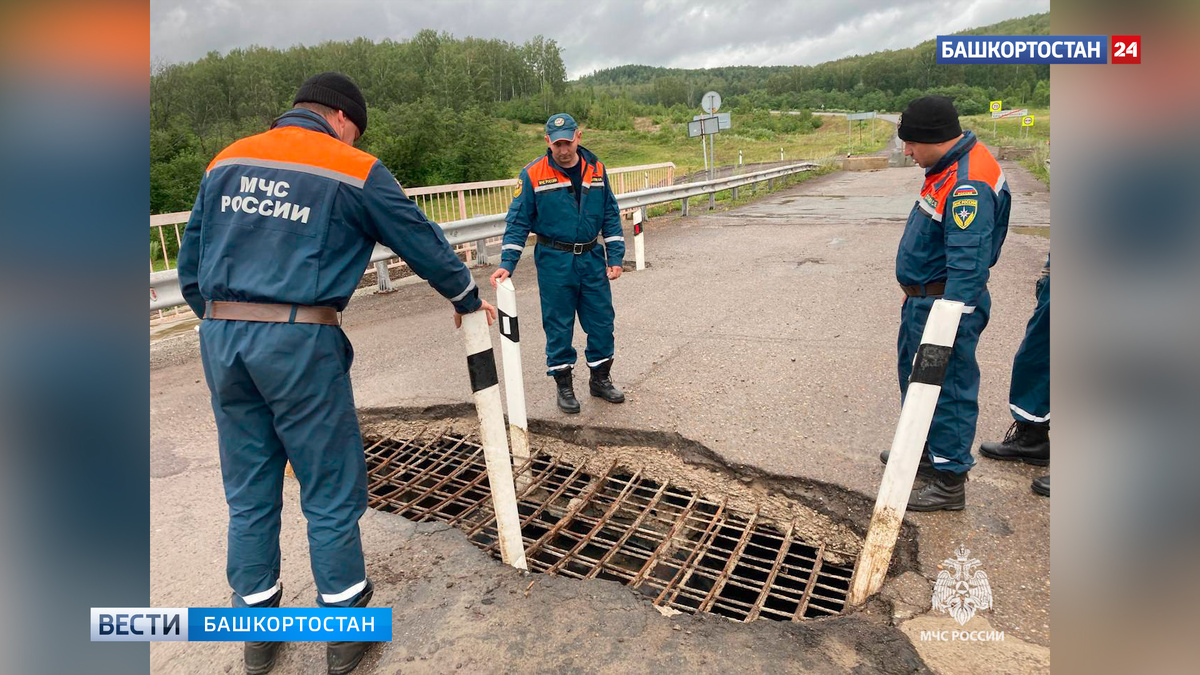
<point>541,170</point>
<point>300,150</point>
<point>982,166</point>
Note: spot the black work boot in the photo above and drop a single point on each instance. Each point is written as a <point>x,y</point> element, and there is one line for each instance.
<point>944,491</point>
<point>601,384</point>
<point>1041,485</point>
<point>566,392</point>
<point>1024,442</point>
<point>924,467</point>
<point>343,657</point>
<point>259,657</point>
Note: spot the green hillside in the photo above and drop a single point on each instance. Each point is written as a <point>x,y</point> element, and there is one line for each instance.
<point>446,110</point>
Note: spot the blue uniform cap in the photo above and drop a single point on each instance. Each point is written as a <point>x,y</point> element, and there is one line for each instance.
<point>561,127</point>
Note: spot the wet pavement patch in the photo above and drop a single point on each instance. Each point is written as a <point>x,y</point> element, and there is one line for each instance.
<point>686,552</point>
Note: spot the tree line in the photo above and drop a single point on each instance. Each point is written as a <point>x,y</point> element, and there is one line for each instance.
<point>433,103</point>
<point>445,109</point>
<point>884,80</point>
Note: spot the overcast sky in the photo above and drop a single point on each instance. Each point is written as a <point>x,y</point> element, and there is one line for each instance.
<point>592,34</point>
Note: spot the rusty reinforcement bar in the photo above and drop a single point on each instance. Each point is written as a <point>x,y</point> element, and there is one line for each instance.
<point>684,551</point>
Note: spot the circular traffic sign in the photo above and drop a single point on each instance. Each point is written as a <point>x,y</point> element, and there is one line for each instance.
<point>1027,121</point>
<point>711,102</point>
<point>995,105</point>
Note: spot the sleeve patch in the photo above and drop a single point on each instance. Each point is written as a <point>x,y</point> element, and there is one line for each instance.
<point>964,212</point>
<point>965,191</point>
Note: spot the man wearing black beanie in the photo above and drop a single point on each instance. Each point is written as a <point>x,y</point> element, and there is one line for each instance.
<point>277,242</point>
<point>341,99</point>
<point>952,238</point>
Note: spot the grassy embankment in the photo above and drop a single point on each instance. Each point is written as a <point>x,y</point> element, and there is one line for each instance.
<point>652,144</point>
<point>1009,133</point>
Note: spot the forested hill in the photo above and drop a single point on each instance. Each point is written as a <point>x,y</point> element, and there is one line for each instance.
<point>447,110</point>
<point>889,72</point>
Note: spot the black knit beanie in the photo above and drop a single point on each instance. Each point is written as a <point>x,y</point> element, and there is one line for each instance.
<point>929,119</point>
<point>338,92</point>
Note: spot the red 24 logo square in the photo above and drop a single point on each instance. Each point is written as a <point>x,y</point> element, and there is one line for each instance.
<point>1127,49</point>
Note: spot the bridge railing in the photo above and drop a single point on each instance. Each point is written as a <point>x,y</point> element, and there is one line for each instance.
<point>441,203</point>
<point>473,232</point>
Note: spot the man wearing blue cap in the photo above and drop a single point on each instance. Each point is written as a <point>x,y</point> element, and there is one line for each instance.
<point>564,198</point>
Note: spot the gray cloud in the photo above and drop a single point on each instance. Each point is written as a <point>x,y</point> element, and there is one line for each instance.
<point>592,34</point>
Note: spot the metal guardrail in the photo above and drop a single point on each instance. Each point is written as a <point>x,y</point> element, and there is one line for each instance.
<point>440,203</point>
<point>164,285</point>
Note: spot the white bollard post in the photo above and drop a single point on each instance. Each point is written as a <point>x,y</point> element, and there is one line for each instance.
<point>639,241</point>
<point>514,380</point>
<point>382,278</point>
<point>924,387</point>
<point>481,364</point>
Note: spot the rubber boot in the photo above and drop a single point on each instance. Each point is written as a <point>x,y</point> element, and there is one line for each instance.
<point>343,657</point>
<point>1024,442</point>
<point>566,392</point>
<point>1041,485</point>
<point>259,657</point>
<point>601,384</point>
<point>943,491</point>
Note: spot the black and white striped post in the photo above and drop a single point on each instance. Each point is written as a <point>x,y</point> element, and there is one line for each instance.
<point>924,387</point>
<point>514,381</point>
<point>639,240</point>
<point>481,364</point>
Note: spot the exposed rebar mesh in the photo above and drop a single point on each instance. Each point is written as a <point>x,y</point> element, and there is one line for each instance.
<point>684,551</point>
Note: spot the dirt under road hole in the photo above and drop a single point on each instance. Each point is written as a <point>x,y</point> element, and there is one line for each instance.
<point>691,534</point>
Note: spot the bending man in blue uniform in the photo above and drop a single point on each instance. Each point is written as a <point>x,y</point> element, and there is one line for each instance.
<point>951,240</point>
<point>565,199</point>
<point>1028,439</point>
<point>278,239</point>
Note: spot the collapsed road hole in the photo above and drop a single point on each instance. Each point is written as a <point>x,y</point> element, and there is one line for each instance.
<point>684,551</point>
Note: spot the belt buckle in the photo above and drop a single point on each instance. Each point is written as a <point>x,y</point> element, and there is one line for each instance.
<point>577,249</point>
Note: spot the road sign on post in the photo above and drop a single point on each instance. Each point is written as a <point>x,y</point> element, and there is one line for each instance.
<point>853,117</point>
<point>704,125</point>
<point>710,103</point>
<point>1016,112</point>
<point>996,106</point>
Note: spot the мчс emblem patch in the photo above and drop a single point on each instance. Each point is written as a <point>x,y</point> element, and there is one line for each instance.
<point>964,212</point>
<point>558,122</point>
<point>517,190</point>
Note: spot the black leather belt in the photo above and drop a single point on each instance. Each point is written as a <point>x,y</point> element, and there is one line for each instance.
<point>925,290</point>
<point>577,249</point>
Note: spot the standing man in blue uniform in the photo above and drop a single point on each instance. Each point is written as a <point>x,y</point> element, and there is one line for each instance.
<point>950,242</point>
<point>565,199</point>
<point>1028,439</point>
<point>282,229</point>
